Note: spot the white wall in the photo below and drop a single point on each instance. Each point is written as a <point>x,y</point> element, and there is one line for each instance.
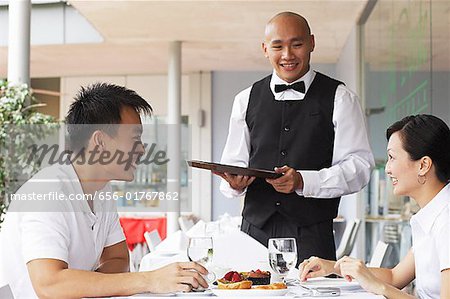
<point>347,67</point>
<point>225,85</point>
<point>201,116</point>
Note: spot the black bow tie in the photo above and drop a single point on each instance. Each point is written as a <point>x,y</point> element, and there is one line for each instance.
<point>299,86</point>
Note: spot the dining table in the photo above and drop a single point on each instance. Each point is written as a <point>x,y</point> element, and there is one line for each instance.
<point>291,292</point>
<point>236,251</point>
<point>344,295</point>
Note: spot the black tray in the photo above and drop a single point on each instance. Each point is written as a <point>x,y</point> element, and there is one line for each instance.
<point>235,170</point>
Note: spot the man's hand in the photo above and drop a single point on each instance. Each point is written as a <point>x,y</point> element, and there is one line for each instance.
<point>237,182</point>
<point>289,182</point>
<point>176,277</point>
<point>52,278</point>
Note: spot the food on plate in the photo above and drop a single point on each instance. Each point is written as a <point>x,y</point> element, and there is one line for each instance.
<point>257,277</point>
<point>233,280</point>
<point>272,286</point>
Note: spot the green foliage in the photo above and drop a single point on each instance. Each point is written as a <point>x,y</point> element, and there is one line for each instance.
<point>17,108</point>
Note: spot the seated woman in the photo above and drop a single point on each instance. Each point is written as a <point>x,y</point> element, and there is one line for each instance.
<point>419,166</point>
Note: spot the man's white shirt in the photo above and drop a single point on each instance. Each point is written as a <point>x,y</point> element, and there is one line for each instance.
<point>68,231</point>
<point>352,157</point>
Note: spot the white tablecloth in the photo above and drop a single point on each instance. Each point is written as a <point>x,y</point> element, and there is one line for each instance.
<point>344,295</point>
<point>233,250</point>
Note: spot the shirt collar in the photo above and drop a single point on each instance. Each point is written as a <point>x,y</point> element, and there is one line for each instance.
<point>75,181</point>
<point>290,94</point>
<point>427,215</point>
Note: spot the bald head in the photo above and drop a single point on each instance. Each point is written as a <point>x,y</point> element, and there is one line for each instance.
<point>288,44</point>
<point>301,21</point>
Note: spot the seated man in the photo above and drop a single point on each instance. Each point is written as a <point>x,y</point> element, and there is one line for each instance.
<point>72,248</point>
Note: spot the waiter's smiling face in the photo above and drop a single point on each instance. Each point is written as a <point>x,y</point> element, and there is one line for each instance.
<point>288,45</point>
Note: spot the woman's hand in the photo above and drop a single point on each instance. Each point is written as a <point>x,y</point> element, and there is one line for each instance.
<point>316,267</point>
<point>351,268</point>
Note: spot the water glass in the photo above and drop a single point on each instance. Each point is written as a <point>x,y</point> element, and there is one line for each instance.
<point>282,255</point>
<point>200,250</point>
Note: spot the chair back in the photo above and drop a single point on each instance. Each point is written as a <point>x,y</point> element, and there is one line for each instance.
<point>152,239</point>
<point>348,238</point>
<point>378,254</point>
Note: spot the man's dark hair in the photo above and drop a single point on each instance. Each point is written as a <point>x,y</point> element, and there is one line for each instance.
<point>425,135</point>
<point>98,105</point>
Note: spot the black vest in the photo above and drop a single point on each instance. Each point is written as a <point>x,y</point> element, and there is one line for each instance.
<point>299,134</point>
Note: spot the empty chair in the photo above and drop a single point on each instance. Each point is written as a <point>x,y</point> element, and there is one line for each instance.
<point>348,238</point>
<point>152,239</point>
<point>185,223</point>
<point>378,254</point>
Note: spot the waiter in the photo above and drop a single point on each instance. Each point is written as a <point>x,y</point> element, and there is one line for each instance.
<point>305,125</point>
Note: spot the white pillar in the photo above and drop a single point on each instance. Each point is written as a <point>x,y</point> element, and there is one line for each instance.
<point>174,132</point>
<point>19,42</point>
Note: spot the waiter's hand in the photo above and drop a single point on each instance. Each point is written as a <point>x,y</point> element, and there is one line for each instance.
<point>237,182</point>
<point>289,182</point>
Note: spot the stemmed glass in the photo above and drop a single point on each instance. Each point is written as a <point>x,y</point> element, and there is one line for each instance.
<point>200,250</point>
<point>282,255</point>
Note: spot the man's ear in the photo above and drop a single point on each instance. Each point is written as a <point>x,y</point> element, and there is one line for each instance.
<point>425,165</point>
<point>313,43</point>
<point>264,48</point>
<point>97,139</point>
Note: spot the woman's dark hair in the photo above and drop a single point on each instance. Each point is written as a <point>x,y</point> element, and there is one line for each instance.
<point>425,135</point>
<point>98,105</point>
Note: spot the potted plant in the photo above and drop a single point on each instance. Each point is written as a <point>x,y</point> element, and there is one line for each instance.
<point>17,108</point>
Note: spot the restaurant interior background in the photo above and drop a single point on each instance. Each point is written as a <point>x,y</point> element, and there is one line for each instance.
<point>395,54</point>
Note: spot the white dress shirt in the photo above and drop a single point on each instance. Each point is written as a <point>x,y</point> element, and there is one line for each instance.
<point>431,238</point>
<point>352,157</point>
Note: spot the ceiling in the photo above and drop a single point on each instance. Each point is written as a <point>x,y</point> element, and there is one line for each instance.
<point>215,35</point>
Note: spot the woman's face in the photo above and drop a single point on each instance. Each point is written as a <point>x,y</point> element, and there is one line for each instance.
<point>400,168</point>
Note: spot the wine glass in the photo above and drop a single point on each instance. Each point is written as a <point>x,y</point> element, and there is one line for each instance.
<point>282,255</point>
<point>200,250</point>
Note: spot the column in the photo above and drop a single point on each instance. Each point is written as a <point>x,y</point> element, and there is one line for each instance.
<point>174,132</point>
<point>19,42</point>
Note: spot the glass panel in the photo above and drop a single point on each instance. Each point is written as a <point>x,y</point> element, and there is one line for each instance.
<point>440,64</point>
<point>406,52</point>
<point>397,49</point>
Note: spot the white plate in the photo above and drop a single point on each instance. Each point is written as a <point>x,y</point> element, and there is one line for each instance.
<point>249,293</point>
<point>331,283</point>
<point>194,294</point>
